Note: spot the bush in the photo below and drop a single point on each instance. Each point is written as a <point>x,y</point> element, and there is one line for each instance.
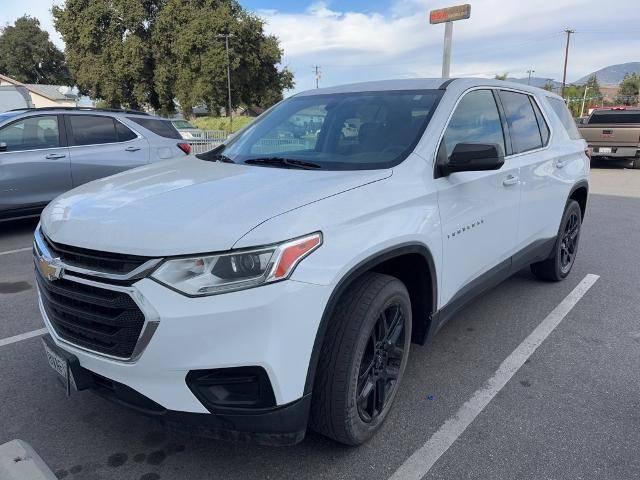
<point>221,123</point>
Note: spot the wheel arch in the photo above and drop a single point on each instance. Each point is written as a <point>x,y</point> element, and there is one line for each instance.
<point>413,264</point>
<point>580,193</point>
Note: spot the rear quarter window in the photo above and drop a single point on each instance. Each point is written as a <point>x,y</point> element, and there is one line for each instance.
<point>163,128</point>
<point>561,110</point>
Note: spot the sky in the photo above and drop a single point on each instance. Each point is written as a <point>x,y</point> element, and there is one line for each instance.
<point>359,40</point>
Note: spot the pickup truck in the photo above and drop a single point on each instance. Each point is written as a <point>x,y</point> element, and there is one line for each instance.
<point>614,133</point>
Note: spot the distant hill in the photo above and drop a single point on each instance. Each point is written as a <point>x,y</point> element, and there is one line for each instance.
<point>613,74</point>
<point>535,81</point>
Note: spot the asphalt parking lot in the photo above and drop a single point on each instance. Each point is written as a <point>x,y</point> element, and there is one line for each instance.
<point>572,410</point>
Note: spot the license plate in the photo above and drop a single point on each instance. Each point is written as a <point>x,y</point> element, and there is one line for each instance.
<point>604,150</point>
<point>60,365</point>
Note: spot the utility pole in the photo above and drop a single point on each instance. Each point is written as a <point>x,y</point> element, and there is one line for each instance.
<point>318,75</point>
<point>584,98</point>
<point>568,31</point>
<point>226,37</point>
<point>529,79</point>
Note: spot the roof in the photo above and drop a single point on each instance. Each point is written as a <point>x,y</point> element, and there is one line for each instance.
<point>52,92</point>
<point>421,84</point>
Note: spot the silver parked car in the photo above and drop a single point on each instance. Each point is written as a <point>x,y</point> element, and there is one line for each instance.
<point>47,151</point>
<point>188,130</point>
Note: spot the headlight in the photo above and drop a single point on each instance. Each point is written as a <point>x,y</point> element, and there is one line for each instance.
<point>226,272</point>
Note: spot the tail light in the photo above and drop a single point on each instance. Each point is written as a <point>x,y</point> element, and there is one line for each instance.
<point>185,147</point>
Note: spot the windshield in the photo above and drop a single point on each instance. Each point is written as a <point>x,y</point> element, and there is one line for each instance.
<point>182,124</point>
<point>347,131</point>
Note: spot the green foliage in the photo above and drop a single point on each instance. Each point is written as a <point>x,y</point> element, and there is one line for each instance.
<point>548,86</point>
<point>27,54</point>
<point>221,123</point>
<point>155,52</point>
<point>502,76</point>
<point>575,94</point>
<point>629,90</point>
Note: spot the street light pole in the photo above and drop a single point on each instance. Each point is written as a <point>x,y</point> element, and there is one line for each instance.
<point>529,79</point>
<point>226,42</point>
<point>446,51</point>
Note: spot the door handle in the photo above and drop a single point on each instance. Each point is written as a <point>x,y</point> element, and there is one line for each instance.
<point>53,156</point>
<point>561,163</point>
<point>132,149</point>
<point>510,180</point>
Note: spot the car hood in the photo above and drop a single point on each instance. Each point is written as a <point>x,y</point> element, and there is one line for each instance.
<point>187,206</point>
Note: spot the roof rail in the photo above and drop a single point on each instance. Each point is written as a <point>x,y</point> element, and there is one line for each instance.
<point>83,109</point>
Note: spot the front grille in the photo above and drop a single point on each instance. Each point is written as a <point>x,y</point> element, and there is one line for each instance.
<point>107,262</point>
<point>103,320</point>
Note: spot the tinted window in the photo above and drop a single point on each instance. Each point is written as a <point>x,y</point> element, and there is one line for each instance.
<point>342,131</point>
<point>164,128</point>
<point>565,117</point>
<point>476,120</point>
<point>124,133</point>
<point>182,124</point>
<point>542,123</point>
<point>615,116</point>
<point>92,130</point>
<point>31,133</point>
<point>523,126</point>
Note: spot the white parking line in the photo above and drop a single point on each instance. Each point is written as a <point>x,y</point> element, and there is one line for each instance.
<point>18,250</point>
<point>22,336</point>
<point>419,464</point>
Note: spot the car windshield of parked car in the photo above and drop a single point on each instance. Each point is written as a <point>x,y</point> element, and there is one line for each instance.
<point>346,131</point>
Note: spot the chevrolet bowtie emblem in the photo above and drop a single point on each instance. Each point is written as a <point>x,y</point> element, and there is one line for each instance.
<point>50,269</point>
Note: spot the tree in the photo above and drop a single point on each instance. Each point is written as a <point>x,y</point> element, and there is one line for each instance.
<point>155,52</point>
<point>29,56</point>
<point>191,61</point>
<point>502,76</point>
<point>629,90</point>
<point>548,86</point>
<point>108,48</point>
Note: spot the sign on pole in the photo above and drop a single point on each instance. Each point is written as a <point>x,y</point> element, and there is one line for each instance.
<point>450,14</point>
<point>446,16</point>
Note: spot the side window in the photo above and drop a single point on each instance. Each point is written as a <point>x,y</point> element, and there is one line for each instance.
<point>164,128</point>
<point>92,129</point>
<point>475,120</point>
<point>542,123</point>
<point>565,117</point>
<point>31,133</point>
<point>523,126</point>
<point>124,133</point>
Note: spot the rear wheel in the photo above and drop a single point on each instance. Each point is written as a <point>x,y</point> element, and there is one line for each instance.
<point>636,163</point>
<point>362,359</point>
<point>560,263</point>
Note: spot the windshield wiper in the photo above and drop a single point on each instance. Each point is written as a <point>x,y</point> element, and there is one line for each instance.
<point>283,163</point>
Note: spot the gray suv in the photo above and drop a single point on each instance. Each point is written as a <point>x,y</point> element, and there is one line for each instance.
<point>47,151</point>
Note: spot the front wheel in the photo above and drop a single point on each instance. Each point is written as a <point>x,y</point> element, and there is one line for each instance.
<point>362,359</point>
<point>560,263</point>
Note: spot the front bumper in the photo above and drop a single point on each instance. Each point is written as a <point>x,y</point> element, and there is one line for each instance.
<point>273,326</point>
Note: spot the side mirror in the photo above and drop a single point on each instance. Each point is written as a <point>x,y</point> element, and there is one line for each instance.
<point>3,147</point>
<point>474,157</point>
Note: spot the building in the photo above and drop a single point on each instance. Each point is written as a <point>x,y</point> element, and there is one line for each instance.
<point>45,95</point>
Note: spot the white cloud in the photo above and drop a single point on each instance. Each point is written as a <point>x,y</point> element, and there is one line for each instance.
<point>501,36</point>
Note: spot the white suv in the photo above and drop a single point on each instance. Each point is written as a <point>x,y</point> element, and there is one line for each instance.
<point>277,282</point>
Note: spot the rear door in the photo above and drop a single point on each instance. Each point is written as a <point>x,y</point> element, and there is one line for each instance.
<point>101,146</point>
<point>34,164</point>
<point>478,210</point>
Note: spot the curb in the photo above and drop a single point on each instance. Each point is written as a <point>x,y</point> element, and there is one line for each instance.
<point>19,461</point>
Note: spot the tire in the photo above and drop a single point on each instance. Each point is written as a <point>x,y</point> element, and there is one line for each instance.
<point>349,360</point>
<point>636,163</point>
<point>558,266</point>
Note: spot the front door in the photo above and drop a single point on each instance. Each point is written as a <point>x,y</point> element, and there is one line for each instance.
<point>478,210</point>
<point>34,164</point>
